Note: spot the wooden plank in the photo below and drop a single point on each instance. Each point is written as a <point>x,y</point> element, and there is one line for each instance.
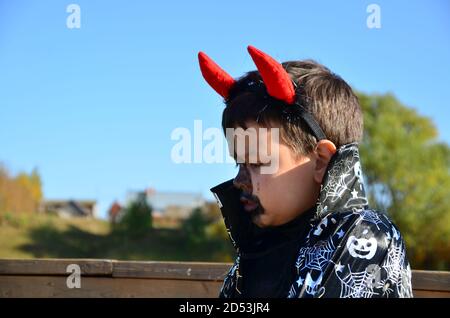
<point>172,270</point>
<point>93,287</point>
<point>430,294</point>
<point>93,267</point>
<point>424,282</point>
<point>55,286</point>
<point>431,280</point>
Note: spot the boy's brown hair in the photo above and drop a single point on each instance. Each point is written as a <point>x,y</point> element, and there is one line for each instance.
<point>324,94</point>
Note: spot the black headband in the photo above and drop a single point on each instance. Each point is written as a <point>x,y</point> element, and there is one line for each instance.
<point>291,111</point>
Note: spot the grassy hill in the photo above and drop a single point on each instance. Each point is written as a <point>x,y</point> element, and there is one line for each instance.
<point>47,236</point>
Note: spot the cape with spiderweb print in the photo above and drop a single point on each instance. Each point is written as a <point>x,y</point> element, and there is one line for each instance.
<point>349,251</point>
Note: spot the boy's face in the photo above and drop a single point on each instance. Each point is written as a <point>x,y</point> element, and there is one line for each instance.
<point>278,197</point>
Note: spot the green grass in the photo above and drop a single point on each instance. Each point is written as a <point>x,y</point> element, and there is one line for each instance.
<point>46,236</point>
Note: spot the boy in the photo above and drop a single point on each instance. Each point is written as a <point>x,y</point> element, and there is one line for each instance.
<point>305,229</point>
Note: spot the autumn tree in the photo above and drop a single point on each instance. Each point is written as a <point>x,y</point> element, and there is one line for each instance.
<point>407,174</point>
<point>21,193</point>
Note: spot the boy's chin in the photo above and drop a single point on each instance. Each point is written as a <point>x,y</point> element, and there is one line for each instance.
<point>260,220</point>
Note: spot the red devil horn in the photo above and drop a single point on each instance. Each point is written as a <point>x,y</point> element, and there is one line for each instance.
<point>276,79</point>
<point>216,77</point>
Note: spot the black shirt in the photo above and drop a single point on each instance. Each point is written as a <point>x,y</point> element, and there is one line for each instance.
<point>269,271</point>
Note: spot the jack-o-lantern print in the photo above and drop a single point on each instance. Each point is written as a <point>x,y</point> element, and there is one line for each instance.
<point>362,247</point>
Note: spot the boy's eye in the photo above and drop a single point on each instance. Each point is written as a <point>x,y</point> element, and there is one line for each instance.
<point>249,165</point>
<point>256,167</point>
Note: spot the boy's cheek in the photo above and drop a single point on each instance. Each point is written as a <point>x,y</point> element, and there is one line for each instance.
<point>271,168</point>
<point>257,188</point>
<point>261,186</point>
<point>266,195</point>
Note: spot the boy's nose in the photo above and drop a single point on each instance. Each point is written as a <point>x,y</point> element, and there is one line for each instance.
<point>243,180</point>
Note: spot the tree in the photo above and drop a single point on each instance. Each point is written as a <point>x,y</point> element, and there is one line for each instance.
<point>30,186</point>
<point>195,226</point>
<point>21,193</point>
<point>136,220</point>
<point>204,230</point>
<point>408,174</point>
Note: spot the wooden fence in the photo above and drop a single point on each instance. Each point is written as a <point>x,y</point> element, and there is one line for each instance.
<point>111,278</point>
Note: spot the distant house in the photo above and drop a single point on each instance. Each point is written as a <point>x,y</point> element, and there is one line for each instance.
<point>165,204</point>
<point>115,212</point>
<point>70,208</point>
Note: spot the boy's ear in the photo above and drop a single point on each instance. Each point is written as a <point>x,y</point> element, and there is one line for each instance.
<point>325,149</point>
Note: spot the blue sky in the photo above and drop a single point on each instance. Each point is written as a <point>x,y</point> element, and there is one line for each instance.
<point>93,108</point>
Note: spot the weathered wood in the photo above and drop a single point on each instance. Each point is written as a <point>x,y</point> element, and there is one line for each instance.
<point>110,278</point>
<point>431,280</point>
<point>171,270</point>
<point>88,267</point>
<point>430,294</point>
<point>99,287</point>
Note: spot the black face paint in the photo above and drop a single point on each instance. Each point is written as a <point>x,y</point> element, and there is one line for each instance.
<point>259,208</point>
<point>243,182</point>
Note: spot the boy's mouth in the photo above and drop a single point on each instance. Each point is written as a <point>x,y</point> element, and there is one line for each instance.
<point>250,202</point>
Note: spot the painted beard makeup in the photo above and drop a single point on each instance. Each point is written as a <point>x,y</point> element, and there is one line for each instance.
<point>251,202</point>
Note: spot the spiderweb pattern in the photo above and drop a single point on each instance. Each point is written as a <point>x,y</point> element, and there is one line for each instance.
<point>369,216</point>
<point>404,287</point>
<point>315,257</point>
<point>357,284</point>
<point>344,175</point>
<point>337,184</point>
<point>229,279</point>
<point>397,274</point>
<point>292,291</point>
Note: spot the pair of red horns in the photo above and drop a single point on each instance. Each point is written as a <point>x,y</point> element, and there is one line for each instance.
<point>278,83</point>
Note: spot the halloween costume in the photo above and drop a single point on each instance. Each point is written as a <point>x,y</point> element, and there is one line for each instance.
<point>339,248</point>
